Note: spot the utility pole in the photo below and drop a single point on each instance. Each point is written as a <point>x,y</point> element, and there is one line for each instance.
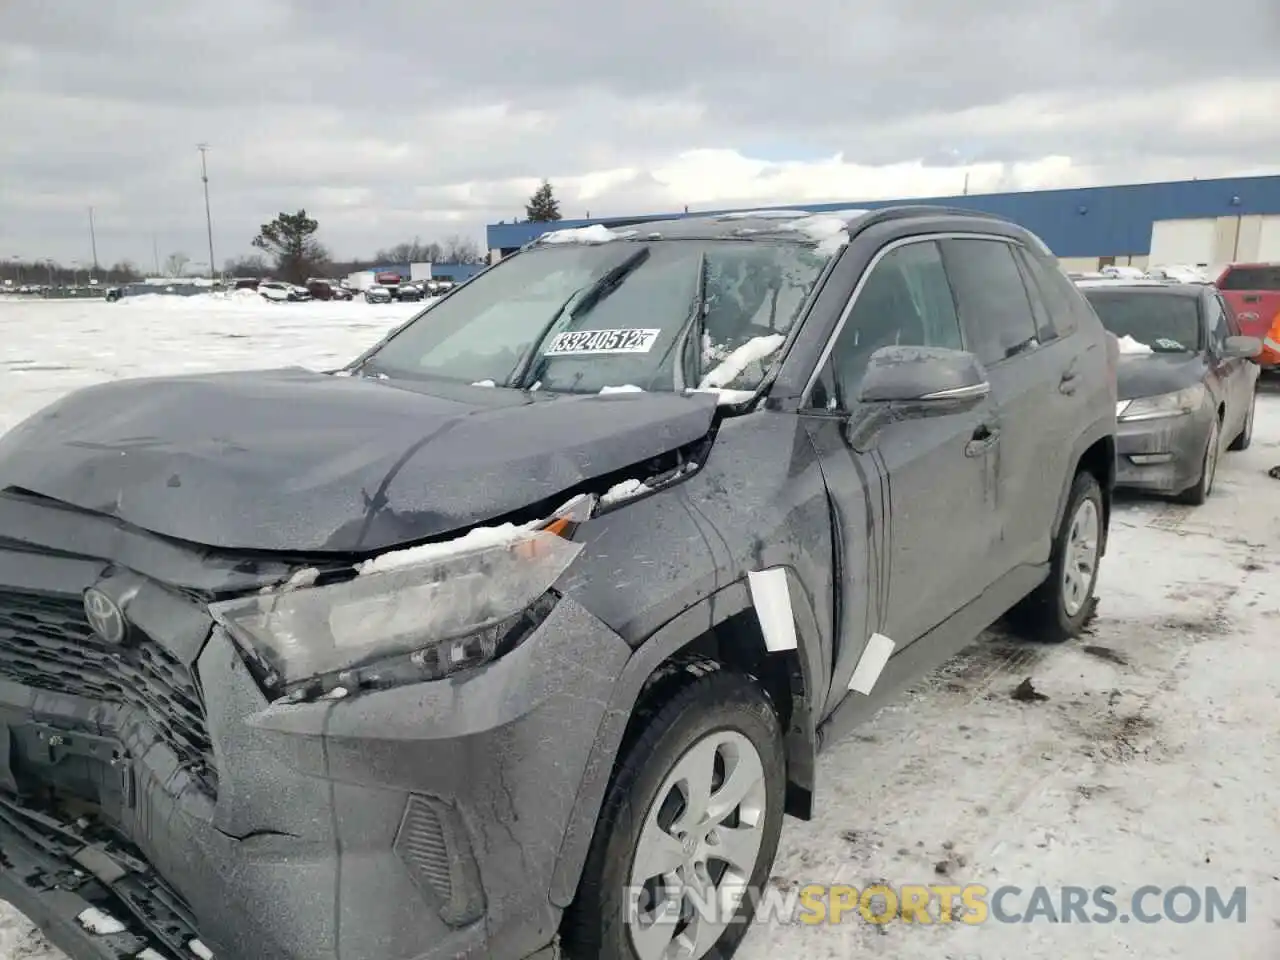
<point>966,183</point>
<point>93,243</point>
<point>208,219</point>
<point>155,252</point>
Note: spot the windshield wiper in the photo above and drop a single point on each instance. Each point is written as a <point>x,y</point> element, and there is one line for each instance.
<point>609,282</point>
<point>692,332</point>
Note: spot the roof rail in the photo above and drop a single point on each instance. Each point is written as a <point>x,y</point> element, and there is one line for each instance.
<point>908,211</point>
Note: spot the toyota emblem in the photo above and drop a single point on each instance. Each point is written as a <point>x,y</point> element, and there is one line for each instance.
<point>105,616</point>
<point>1247,317</point>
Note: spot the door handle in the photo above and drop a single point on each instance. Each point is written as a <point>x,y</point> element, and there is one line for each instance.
<point>984,438</point>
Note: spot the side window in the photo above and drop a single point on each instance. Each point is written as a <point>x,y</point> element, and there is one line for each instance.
<point>1045,330</point>
<point>1061,296</point>
<point>1233,323</point>
<point>993,302</point>
<point>906,300</point>
<point>1216,323</point>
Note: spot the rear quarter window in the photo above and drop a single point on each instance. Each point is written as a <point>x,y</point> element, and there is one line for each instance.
<point>1066,304</point>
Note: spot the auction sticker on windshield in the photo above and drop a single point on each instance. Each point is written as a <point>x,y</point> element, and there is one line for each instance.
<point>579,342</point>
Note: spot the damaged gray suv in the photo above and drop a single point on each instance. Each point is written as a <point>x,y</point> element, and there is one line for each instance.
<point>519,635</point>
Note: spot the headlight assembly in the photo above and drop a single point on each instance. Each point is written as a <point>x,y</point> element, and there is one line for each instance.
<point>417,614</point>
<point>1164,405</point>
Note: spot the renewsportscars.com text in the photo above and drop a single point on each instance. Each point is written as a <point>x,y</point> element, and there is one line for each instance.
<point>971,904</point>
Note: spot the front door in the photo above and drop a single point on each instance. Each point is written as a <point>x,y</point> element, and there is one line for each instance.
<point>913,497</point>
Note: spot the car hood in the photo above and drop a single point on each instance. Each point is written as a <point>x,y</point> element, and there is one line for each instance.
<point>291,460</point>
<point>1149,374</point>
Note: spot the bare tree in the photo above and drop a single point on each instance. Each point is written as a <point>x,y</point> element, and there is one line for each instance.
<point>458,249</point>
<point>253,265</point>
<point>175,263</point>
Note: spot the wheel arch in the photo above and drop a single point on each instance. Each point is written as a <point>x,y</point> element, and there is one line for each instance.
<point>721,631</point>
<point>1094,452</point>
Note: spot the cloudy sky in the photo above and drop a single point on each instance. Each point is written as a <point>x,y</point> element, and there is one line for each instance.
<point>394,118</point>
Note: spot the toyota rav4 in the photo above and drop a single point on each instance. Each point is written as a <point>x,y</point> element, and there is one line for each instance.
<point>521,633</point>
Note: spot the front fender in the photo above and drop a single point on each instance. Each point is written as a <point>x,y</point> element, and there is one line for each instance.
<point>661,646</point>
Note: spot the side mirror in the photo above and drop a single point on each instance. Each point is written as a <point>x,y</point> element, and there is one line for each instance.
<point>927,375</point>
<point>1241,348</point>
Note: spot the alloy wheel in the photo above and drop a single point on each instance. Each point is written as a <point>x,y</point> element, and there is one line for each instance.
<point>1080,562</point>
<point>698,848</point>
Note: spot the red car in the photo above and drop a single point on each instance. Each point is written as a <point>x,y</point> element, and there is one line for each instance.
<point>1253,291</point>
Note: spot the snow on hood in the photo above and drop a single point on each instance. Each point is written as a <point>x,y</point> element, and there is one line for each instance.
<point>625,388</point>
<point>475,539</point>
<point>1130,346</point>
<point>732,366</point>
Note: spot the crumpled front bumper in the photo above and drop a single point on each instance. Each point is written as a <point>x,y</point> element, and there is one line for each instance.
<point>80,896</point>
<point>419,822</point>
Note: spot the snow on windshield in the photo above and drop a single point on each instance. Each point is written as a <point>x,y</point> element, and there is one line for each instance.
<point>592,317</point>
<point>731,367</point>
<point>1130,346</point>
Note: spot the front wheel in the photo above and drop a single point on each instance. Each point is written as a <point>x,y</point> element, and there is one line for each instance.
<point>689,829</point>
<point>1059,608</point>
<point>1246,432</point>
<point>1199,493</point>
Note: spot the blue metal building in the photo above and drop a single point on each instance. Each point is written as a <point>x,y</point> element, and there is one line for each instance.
<point>1085,222</point>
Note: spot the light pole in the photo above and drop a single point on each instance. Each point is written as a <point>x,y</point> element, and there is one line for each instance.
<point>48,262</point>
<point>208,219</point>
<point>93,242</point>
<point>17,265</point>
<point>75,273</point>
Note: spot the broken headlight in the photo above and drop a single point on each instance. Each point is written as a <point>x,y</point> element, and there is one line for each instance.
<point>424,612</point>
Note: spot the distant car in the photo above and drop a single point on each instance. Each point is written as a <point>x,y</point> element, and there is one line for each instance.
<point>247,283</point>
<point>1178,274</point>
<point>1123,272</point>
<point>327,290</point>
<point>1186,383</point>
<point>281,292</point>
<point>408,293</point>
<point>1253,291</point>
<point>377,294</point>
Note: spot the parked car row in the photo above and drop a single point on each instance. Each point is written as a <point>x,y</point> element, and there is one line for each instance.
<point>1187,381</point>
<point>407,292</point>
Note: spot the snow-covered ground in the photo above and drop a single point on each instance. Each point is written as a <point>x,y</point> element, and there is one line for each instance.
<point>1155,759</point>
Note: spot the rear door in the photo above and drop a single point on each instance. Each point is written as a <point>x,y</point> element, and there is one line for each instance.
<point>1030,365</point>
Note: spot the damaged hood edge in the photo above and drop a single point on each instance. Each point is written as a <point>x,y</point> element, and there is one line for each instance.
<point>291,461</point>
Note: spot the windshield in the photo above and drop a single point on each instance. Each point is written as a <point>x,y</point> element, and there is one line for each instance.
<point>1165,322</point>
<point>580,318</point>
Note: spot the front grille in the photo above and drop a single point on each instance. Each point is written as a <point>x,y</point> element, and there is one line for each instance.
<point>47,643</point>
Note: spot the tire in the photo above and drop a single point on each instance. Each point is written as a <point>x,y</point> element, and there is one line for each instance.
<point>1199,493</point>
<point>718,718</point>
<point>1056,611</point>
<point>1246,432</point>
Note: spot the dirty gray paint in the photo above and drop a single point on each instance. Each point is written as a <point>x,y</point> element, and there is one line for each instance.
<point>294,857</point>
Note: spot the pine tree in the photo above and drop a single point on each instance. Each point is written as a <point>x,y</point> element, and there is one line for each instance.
<point>290,239</point>
<point>543,206</point>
